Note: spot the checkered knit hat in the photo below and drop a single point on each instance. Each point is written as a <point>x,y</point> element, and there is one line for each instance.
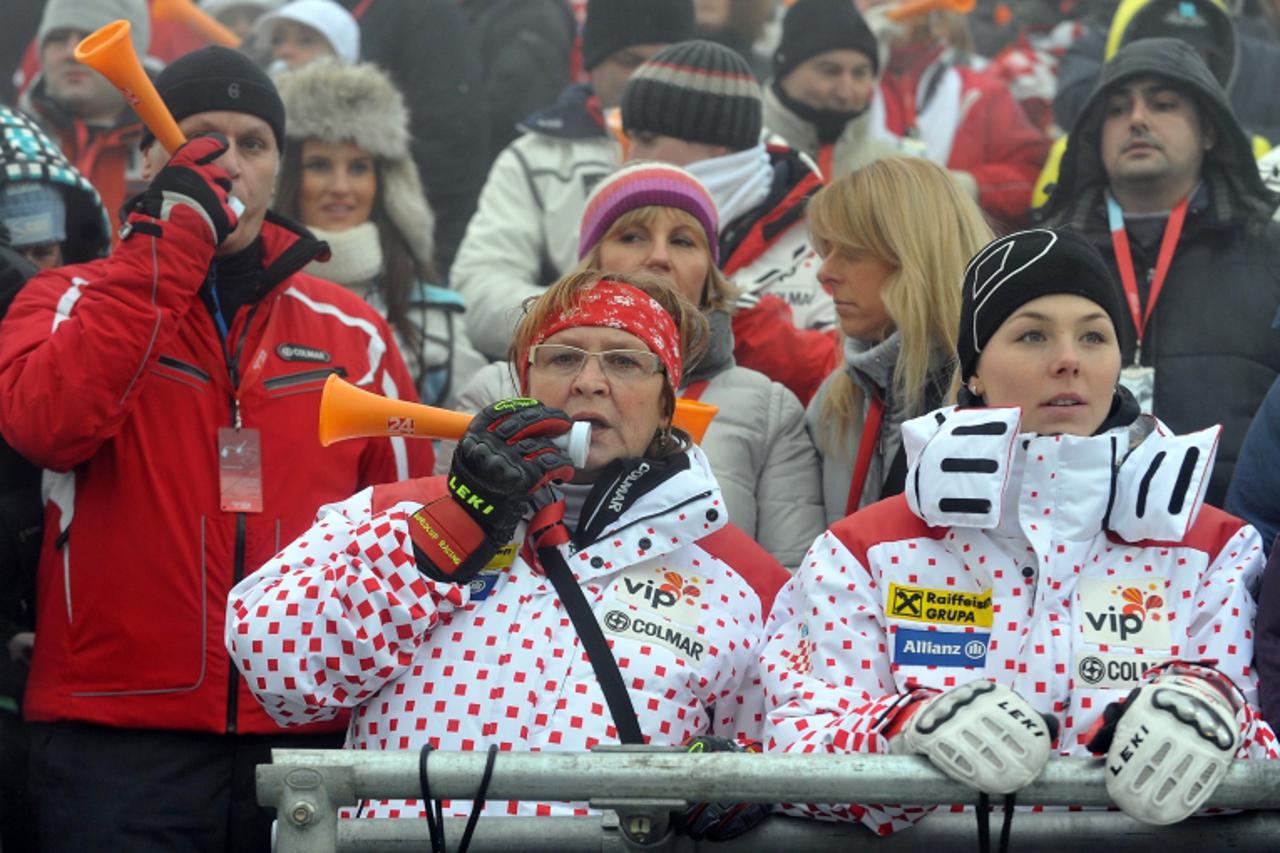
<point>695,91</point>
<point>644,184</point>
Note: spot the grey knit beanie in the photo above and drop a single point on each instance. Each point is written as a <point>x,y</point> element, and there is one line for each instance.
<point>89,15</point>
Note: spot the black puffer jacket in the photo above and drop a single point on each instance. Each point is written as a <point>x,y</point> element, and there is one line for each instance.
<point>428,49</point>
<point>1210,339</point>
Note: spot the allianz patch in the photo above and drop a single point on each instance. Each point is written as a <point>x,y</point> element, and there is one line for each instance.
<point>671,595</point>
<point>298,352</point>
<point>481,586</point>
<point>1130,613</point>
<point>940,606</point>
<point>912,647</point>
<point>659,632</point>
<point>1104,670</point>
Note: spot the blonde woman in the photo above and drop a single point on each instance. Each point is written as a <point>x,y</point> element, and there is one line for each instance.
<point>894,237</point>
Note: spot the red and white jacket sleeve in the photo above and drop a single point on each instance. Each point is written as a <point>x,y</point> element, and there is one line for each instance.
<point>1221,632</point>
<point>826,673</point>
<point>999,147</point>
<point>77,341</point>
<point>336,615</point>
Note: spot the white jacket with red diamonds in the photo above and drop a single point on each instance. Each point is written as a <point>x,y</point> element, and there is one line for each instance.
<point>341,618</point>
<point>1021,559</point>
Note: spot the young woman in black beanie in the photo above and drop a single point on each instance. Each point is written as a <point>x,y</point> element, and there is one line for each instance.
<point>1049,581</point>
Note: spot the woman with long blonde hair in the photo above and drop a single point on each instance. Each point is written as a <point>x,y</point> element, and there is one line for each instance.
<point>894,237</point>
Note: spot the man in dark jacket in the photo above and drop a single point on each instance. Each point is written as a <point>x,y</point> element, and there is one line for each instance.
<point>428,49</point>
<point>525,232</point>
<point>1159,175</point>
<point>525,45</point>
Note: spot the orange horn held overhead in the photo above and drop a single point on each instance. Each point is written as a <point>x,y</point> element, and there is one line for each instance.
<point>914,8</point>
<point>110,52</point>
<point>196,18</point>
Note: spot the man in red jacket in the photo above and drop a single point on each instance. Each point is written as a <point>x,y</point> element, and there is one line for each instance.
<point>170,392</point>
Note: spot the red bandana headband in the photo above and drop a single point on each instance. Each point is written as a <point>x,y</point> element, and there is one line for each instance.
<point>615,305</point>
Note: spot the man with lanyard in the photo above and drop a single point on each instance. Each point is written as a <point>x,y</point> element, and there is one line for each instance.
<point>170,391</point>
<point>1159,174</point>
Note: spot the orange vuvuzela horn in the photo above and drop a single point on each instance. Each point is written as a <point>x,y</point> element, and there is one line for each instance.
<point>110,52</point>
<point>196,18</point>
<point>913,8</point>
<point>350,412</point>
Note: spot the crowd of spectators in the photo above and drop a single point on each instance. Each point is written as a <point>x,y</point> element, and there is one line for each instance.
<point>972,294</point>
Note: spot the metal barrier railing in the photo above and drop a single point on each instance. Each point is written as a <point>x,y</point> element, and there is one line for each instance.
<point>638,788</point>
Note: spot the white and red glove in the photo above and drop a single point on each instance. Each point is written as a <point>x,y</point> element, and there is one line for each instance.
<point>1168,745</point>
<point>982,734</point>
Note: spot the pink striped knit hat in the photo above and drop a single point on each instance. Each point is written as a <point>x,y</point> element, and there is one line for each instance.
<point>642,184</point>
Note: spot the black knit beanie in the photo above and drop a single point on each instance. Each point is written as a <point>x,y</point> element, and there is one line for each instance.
<point>811,27</point>
<point>612,25</point>
<point>696,91</point>
<point>1017,268</point>
<point>218,78</point>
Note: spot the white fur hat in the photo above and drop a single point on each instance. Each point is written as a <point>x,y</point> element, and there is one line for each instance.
<point>335,103</point>
<point>324,16</point>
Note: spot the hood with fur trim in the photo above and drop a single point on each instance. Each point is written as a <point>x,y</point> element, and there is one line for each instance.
<point>334,102</point>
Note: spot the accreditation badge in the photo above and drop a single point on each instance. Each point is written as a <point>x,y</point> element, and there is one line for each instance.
<point>1140,379</point>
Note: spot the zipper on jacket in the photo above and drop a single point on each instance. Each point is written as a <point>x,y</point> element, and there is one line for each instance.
<point>233,674</point>
<point>301,378</point>
<point>615,531</point>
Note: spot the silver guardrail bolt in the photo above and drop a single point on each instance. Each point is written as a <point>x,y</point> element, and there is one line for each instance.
<point>639,826</point>
<point>302,813</point>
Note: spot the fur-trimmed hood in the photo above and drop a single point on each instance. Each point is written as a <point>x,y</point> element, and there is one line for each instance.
<point>335,102</point>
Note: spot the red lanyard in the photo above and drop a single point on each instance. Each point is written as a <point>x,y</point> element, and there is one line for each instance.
<point>826,163</point>
<point>866,445</point>
<point>1124,260</point>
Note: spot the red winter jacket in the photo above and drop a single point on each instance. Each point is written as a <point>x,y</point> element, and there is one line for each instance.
<point>992,139</point>
<point>112,375</point>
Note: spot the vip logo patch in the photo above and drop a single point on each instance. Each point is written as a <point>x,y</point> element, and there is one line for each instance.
<point>939,648</point>
<point>658,632</point>
<point>671,595</point>
<point>1104,670</point>
<point>298,352</point>
<point>1129,613</point>
<point>940,606</point>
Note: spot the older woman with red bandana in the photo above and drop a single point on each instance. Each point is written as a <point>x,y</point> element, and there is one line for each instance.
<point>522,603</point>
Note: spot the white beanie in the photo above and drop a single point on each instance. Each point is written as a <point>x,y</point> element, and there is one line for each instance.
<point>325,17</point>
<point>90,15</point>
<point>217,7</point>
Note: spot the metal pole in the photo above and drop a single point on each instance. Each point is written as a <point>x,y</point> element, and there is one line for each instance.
<point>1058,832</point>
<point>645,773</point>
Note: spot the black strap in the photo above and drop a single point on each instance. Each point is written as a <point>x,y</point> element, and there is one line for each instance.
<point>432,807</point>
<point>477,805</point>
<point>596,646</point>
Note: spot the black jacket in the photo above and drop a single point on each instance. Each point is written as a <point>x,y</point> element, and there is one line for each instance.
<point>526,46</point>
<point>428,49</point>
<point>1210,338</point>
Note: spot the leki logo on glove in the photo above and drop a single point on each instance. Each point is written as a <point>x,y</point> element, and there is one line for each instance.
<point>940,606</point>
<point>668,594</point>
<point>468,497</point>
<point>1129,613</point>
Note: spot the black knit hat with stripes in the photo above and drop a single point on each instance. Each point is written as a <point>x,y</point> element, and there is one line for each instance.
<point>695,91</point>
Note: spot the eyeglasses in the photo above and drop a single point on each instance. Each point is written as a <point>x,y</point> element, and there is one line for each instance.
<point>620,365</point>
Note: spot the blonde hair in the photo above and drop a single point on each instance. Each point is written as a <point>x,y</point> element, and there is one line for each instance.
<point>561,296</point>
<point>718,293</point>
<point>912,215</point>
